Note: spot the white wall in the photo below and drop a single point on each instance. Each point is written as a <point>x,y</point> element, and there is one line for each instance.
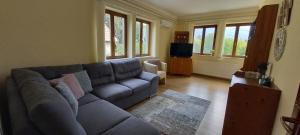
<point>37,33</point>
<point>216,65</point>
<point>165,42</point>
<point>223,68</point>
<point>286,71</point>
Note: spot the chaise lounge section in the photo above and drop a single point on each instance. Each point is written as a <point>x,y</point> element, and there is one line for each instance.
<point>36,108</point>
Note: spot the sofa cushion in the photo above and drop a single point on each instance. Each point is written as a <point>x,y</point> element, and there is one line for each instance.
<point>148,76</point>
<point>22,76</point>
<point>99,116</point>
<point>132,126</point>
<point>153,79</point>
<point>66,92</point>
<point>52,72</point>
<point>87,98</point>
<point>112,92</point>
<point>100,73</point>
<point>136,84</point>
<point>125,69</point>
<point>48,110</point>
<point>84,81</point>
<point>19,121</point>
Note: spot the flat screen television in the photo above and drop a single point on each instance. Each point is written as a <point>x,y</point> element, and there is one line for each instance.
<point>181,50</point>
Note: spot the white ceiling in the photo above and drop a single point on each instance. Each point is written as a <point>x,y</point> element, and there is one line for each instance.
<point>189,7</point>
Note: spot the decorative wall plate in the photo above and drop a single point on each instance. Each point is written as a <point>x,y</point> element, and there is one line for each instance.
<point>280,43</point>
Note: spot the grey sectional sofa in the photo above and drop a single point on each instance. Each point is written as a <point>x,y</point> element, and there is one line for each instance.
<point>36,108</point>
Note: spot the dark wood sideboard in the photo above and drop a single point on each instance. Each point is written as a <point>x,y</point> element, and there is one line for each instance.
<point>251,108</point>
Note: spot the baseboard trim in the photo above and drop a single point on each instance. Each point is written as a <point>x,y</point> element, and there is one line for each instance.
<point>210,76</point>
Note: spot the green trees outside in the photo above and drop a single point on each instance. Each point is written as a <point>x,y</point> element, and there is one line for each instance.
<point>145,44</point>
<point>230,34</point>
<point>145,38</point>
<point>119,37</point>
<point>208,43</point>
<point>197,45</point>
<point>137,38</point>
<point>228,45</point>
<point>240,48</point>
<point>119,24</point>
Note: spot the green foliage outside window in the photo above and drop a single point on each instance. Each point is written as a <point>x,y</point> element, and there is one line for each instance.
<point>208,40</point>
<point>208,43</point>
<point>242,40</point>
<point>119,25</point>
<point>241,48</point>
<point>228,46</point>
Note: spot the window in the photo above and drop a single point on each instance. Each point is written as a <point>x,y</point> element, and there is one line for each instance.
<point>204,39</point>
<point>142,38</point>
<point>115,35</point>
<point>236,39</point>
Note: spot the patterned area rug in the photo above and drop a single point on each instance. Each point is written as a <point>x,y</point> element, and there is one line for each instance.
<point>173,113</point>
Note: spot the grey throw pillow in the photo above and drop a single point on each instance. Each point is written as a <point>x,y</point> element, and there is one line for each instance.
<point>66,92</point>
<point>84,81</point>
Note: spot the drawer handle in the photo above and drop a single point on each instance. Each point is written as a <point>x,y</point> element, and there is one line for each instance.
<point>285,121</point>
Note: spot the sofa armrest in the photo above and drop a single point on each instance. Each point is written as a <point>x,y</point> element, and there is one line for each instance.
<point>153,79</point>
<point>148,67</point>
<point>163,66</point>
<point>147,76</point>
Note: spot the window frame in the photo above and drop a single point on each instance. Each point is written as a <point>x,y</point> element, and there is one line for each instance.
<point>236,36</point>
<point>204,27</point>
<point>112,33</point>
<point>141,38</point>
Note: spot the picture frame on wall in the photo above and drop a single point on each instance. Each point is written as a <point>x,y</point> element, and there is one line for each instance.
<point>280,18</point>
<point>285,5</point>
<point>284,17</point>
<point>285,11</point>
<point>290,7</point>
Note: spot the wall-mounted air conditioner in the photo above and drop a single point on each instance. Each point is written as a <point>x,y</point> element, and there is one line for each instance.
<point>166,23</point>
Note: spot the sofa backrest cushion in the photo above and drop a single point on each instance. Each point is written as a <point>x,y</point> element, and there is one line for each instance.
<point>84,80</point>
<point>21,76</point>
<point>52,72</point>
<point>100,73</point>
<point>47,109</point>
<point>125,69</point>
<point>19,120</point>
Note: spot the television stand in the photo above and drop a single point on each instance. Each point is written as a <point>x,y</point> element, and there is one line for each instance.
<point>180,66</point>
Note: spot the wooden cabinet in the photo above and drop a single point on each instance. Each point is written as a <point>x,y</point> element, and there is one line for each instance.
<point>180,66</point>
<point>261,37</point>
<point>181,37</point>
<point>251,108</point>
